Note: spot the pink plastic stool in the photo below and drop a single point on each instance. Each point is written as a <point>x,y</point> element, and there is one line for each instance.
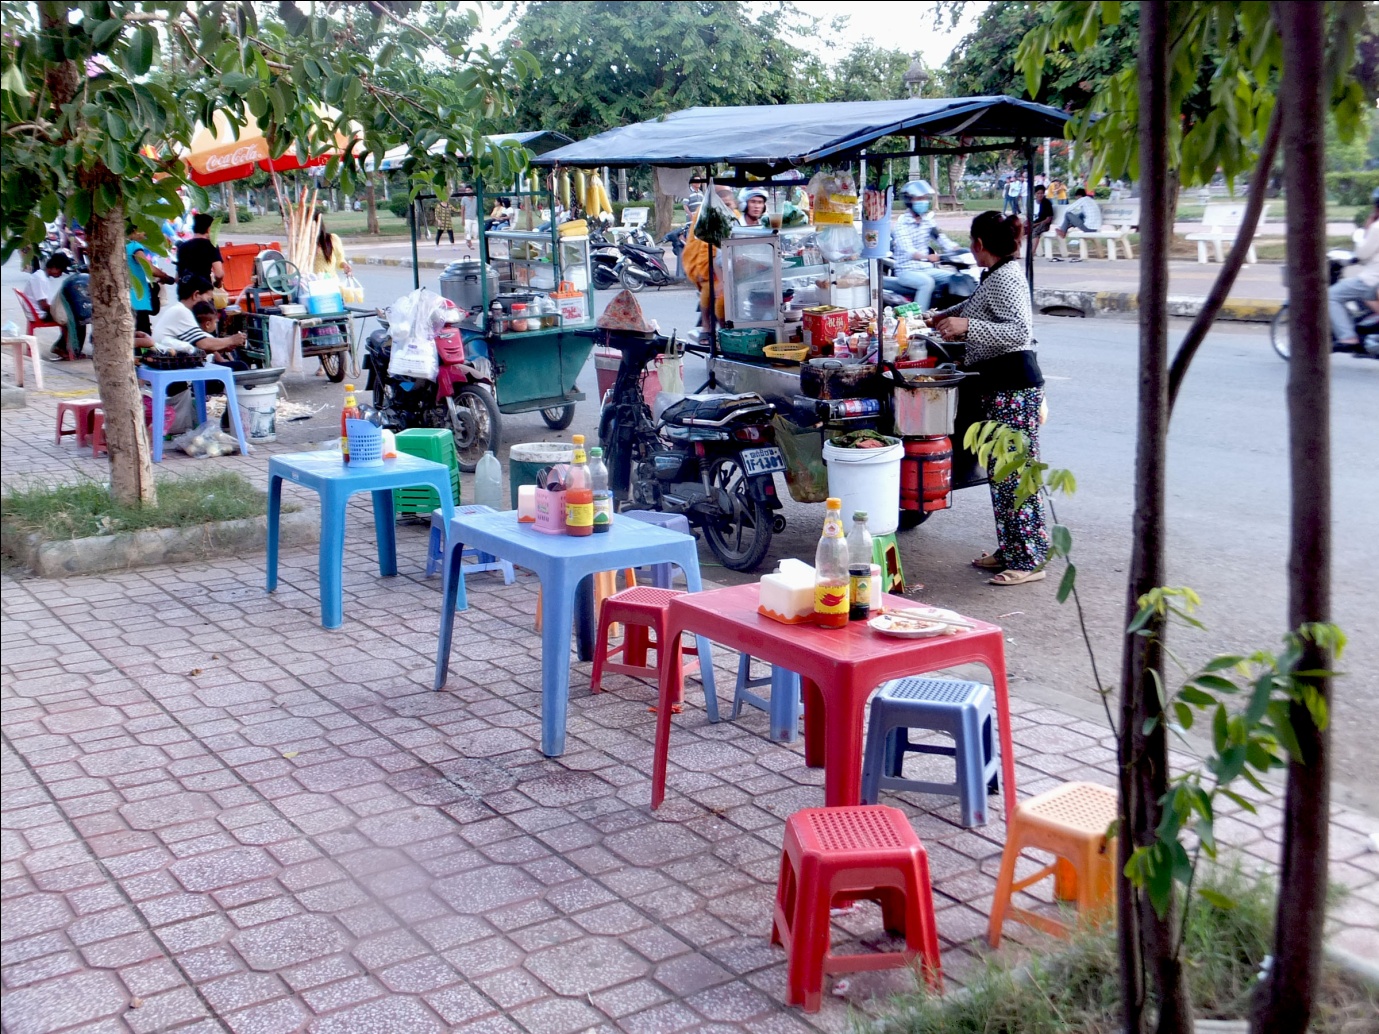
<point>82,411</point>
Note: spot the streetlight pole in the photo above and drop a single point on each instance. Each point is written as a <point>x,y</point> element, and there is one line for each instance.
<point>916,76</point>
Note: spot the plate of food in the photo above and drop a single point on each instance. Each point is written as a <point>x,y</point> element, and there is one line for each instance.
<point>910,624</point>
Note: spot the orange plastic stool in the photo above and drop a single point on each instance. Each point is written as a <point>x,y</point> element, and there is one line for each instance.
<point>98,434</point>
<point>1069,822</point>
<point>643,609</point>
<point>869,853</point>
<point>605,584</point>
<point>82,411</point>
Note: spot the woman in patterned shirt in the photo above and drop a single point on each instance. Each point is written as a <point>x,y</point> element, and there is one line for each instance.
<point>998,326</point>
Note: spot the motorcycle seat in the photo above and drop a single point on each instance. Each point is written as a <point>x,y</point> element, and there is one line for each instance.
<point>712,410</point>
<point>643,248</point>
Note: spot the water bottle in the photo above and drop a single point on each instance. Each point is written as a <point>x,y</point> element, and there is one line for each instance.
<point>488,482</point>
<point>603,495</point>
<point>859,544</point>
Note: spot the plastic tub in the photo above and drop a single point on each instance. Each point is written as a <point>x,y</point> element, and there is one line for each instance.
<point>258,411</point>
<point>869,480</point>
<point>525,461</point>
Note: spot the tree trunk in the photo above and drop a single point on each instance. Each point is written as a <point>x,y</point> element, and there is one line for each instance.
<point>1147,942</point>
<point>112,334</point>
<point>371,206</point>
<point>957,168</point>
<point>1287,997</point>
<point>227,196</point>
<point>665,211</point>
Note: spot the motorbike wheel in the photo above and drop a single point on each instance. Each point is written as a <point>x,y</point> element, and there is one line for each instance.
<point>742,544</point>
<point>559,417</point>
<point>475,422</point>
<point>629,280</point>
<point>333,363</point>
<point>912,518</point>
<point>1278,332</point>
<point>604,278</point>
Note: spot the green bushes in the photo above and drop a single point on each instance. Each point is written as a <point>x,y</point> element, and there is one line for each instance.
<point>242,212</point>
<point>1352,188</point>
<point>398,205</point>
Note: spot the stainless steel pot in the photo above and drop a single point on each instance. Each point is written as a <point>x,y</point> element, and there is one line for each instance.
<point>462,283</point>
<point>927,404</point>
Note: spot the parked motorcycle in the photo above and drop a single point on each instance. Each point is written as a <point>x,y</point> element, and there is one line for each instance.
<point>604,257</point>
<point>712,459</point>
<point>957,289</point>
<point>460,399</point>
<point>1365,316</point>
<point>643,263</point>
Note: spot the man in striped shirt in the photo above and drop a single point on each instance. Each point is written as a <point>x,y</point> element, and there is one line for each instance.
<point>179,322</point>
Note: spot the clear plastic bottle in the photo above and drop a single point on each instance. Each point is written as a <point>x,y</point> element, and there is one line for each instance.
<point>579,494</point>
<point>349,412</point>
<point>488,482</point>
<point>603,495</point>
<point>859,568</point>
<point>831,591</point>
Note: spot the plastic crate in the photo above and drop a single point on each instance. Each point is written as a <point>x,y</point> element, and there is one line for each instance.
<point>744,341</point>
<point>428,443</point>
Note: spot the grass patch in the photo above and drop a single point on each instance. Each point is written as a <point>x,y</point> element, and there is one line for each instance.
<point>1077,990</point>
<point>84,509</point>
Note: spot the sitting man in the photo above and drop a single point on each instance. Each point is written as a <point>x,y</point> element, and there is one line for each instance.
<point>1082,214</point>
<point>915,245</point>
<point>43,284</point>
<point>1043,215</point>
<point>180,322</point>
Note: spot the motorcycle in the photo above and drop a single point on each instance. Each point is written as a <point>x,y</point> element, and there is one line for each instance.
<point>643,264</point>
<point>1365,315</point>
<point>711,458</point>
<point>459,400</point>
<point>604,257</point>
<point>957,289</point>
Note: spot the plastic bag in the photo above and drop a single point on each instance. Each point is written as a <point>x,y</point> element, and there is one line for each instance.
<point>413,320</point>
<point>715,223</point>
<point>207,441</point>
<point>352,290</point>
<point>834,197</point>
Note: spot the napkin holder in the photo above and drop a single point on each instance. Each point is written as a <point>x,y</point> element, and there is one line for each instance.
<point>550,511</point>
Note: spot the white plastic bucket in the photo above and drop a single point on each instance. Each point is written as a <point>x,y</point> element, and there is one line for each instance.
<point>258,411</point>
<point>867,480</point>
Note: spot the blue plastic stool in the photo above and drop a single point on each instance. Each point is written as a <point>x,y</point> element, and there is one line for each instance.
<point>783,705</point>
<point>661,574</point>
<point>966,711</point>
<point>197,377</point>
<point>482,561</point>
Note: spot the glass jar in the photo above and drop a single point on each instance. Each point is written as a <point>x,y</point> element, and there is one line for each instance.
<point>518,321</point>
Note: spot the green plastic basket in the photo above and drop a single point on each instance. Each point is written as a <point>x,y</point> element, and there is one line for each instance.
<point>744,341</point>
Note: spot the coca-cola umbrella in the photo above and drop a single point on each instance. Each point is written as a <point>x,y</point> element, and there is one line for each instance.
<point>220,155</point>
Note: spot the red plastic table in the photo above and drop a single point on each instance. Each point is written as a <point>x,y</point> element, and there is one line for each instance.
<point>838,670</point>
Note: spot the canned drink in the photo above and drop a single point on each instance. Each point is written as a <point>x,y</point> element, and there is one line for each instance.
<point>860,585</point>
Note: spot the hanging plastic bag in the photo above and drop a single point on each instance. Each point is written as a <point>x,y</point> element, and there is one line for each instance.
<point>834,199</point>
<point>715,223</point>
<point>410,319</point>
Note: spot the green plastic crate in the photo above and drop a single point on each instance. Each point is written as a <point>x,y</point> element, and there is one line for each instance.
<point>744,341</point>
<point>428,443</point>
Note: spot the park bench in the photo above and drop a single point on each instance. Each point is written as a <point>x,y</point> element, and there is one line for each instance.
<point>1221,224</point>
<point>632,219</point>
<point>1118,221</point>
<point>949,203</point>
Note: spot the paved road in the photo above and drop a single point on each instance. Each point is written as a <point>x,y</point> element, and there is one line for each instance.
<point>1228,507</point>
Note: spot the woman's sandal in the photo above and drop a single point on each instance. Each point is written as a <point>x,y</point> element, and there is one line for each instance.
<point>1010,576</point>
<point>989,562</point>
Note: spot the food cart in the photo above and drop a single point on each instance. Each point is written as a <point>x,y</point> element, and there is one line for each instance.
<point>770,278</point>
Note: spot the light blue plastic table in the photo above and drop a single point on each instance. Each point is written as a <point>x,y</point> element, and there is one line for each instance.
<point>197,377</point>
<point>561,562</point>
<point>326,474</point>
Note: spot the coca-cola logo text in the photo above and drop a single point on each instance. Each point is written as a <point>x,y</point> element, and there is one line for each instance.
<point>239,156</point>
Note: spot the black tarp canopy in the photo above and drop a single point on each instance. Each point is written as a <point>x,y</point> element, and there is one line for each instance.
<point>786,135</point>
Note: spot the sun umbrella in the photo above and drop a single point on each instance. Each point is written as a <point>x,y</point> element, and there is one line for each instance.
<point>218,155</point>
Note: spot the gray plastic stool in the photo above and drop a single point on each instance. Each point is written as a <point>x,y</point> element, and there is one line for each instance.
<point>661,574</point>
<point>783,705</point>
<point>482,561</point>
<point>966,711</point>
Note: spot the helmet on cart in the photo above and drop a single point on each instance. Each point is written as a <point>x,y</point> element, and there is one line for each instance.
<point>916,189</point>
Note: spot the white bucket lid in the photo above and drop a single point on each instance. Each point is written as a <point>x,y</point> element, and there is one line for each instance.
<point>542,452</point>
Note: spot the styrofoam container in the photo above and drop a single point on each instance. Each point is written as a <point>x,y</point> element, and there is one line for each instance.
<point>868,480</point>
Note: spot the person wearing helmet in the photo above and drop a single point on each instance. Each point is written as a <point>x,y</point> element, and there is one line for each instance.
<point>753,201</point>
<point>1359,286</point>
<point>915,244</point>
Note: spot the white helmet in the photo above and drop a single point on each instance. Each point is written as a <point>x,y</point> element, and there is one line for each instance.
<point>916,189</point>
<point>751,192</point>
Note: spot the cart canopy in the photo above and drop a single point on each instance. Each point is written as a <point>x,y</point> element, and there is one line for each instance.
<point>800,134</point>
<point>536,141</point>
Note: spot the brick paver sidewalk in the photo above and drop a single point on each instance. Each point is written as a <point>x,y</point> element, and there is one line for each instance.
<point>218,816</point>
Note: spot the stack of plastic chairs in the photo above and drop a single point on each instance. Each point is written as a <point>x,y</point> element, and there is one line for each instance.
<point>428,443</point>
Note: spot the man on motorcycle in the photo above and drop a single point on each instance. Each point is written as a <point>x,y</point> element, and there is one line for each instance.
<point>1361,285</point>
<point>753,201</point>
<point>915,244</point>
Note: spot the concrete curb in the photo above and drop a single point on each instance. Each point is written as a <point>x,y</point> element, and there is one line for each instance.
<point>1125,303</point>
<point>76,557</point>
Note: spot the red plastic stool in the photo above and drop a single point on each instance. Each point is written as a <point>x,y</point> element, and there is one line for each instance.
<point>82,411</point>
<point>868,853</point>
<point>642,609</point>
<point>98,434</point>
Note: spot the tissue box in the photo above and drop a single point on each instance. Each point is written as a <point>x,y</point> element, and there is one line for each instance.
<point>550,512</point>
<point>788,594</point>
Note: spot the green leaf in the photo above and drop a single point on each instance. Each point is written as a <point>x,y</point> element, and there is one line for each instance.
<point>1185,715</point>
<point>1219,733</point>
<point>1216,899</point>
<point>142,46</point>
<point>1061,539</point>
<point>104,32</point>
<point>1190,694</point>
<point>1065,586</point>
<point>1217,683</point>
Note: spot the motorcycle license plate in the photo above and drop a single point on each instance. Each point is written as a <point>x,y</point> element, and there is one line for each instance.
<point>762,461</point>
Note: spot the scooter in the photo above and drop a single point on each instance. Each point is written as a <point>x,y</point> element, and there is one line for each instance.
<point>605,256</point>
<point>643,264</point>
<point>1365,315</point>
<point>957,288</point>
<point>712,458</point>
<point>459,400</point>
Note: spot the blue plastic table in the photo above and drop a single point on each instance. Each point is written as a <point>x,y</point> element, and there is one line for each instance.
<point>562,562</point>
<point>197,377</point>
<point>326,474</point>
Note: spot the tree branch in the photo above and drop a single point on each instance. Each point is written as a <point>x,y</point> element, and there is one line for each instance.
<point>1225,280</point>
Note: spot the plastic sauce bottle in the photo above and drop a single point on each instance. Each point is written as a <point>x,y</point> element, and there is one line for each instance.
<point>579,494</point>
<point>859,568</point>
<point>350,412</point>
<point>488,482</point>
<point>831,593</point>
<point>603,496</point>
